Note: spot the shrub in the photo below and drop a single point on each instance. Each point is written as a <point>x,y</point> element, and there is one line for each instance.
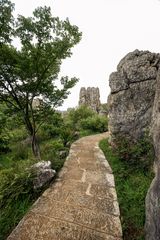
<point>51,128</point>
<point>18,134</point>
<point>20,152</point>
<point>138,154</point>
<point>75,116</point>
<point>95,123</point>
<point>4,143</point>
<point>17,195</point>
<point>84,119</point>
<point>51,152</point>
<point>67,134</point>
<point>49,131</point>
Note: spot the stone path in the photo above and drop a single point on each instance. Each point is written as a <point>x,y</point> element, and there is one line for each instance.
<point>80,205</point>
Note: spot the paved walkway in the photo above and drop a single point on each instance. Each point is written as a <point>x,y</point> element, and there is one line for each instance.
<point>80,205</point>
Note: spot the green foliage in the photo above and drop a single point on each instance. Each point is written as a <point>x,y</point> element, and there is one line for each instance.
<point>95,123</point>
<point>67,135</point>
<point>16,188</point>
<point>17,195</point>
<point>51,152</point>
<point>20,152</point>
<point>4,143</point>
<point>132,183</point>
<point>18,134</point>
<point>75,116</point>
<point>136,154</point>
<point>4,136</point>
<point>52,126</point>
<point>104,108</point>
<point>86,121</point>
<point>6,20</point>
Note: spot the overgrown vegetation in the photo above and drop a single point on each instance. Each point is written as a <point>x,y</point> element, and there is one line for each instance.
<point>54,138</point>
<point>132,167</point>
<point>85,121</point>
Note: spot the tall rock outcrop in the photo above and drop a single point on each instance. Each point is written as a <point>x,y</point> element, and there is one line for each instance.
<point>134,106</point>
<point>152,224</point>
<point>90,97</point>
<point>132,95</point>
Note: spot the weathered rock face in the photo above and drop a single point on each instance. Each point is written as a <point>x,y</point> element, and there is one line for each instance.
<point>132,94</point>
<point>90,97</point>
<point>152,225</point>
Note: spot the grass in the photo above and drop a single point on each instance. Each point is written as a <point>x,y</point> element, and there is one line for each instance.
<point>132,185</point>
<point>16,186</point>
<point>17,195</point>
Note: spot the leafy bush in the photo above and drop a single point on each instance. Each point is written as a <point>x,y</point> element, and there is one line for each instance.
<point>20,152</point>
<point>51,128</point>
<point>51,152</point>
<point>4,143</point>
<point>75,116</point>
<point>68,135</point>
<point>48,131</point>
<point>17,195</point>
<point>4,137</point>
<point>18,134</point>
<point>84,119</point>
<point>95,123</point>
<point>138,154</point>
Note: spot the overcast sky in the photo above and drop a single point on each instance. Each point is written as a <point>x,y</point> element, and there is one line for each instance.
<point>111,29</point>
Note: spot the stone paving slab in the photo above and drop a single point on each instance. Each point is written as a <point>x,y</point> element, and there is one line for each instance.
<point>80,205</point>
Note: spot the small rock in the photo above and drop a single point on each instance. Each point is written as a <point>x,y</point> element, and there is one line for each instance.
<point>76,134</point>
<point>43,173</point>
<point>42,165</point>
<point>63,154</point>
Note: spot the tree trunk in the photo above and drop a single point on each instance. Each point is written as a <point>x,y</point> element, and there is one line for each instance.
<point>31,130</point>
<point>35,147</point>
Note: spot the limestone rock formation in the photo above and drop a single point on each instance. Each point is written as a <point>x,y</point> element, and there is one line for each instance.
<point>132,95</point>
<point>152,224</point>
<point>134,106</point>
<point>90,97</point>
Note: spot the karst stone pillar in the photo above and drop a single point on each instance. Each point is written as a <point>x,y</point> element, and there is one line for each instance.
<point>134,108</point>
<point>133,87</point>
<point>90,97</point>
<point>152,225</point>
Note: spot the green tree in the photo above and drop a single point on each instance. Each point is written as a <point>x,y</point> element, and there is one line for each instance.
<point>75,116</point>
<point>4,136</point>
<point>6,21</point>
<point>32,71</point>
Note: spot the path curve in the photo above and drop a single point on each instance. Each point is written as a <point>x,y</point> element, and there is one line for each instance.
<point>80,205</point>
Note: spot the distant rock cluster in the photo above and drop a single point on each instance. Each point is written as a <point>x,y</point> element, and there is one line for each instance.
<point>90,97</point>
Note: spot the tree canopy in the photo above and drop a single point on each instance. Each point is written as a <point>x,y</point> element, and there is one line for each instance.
<point>31,70</point>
